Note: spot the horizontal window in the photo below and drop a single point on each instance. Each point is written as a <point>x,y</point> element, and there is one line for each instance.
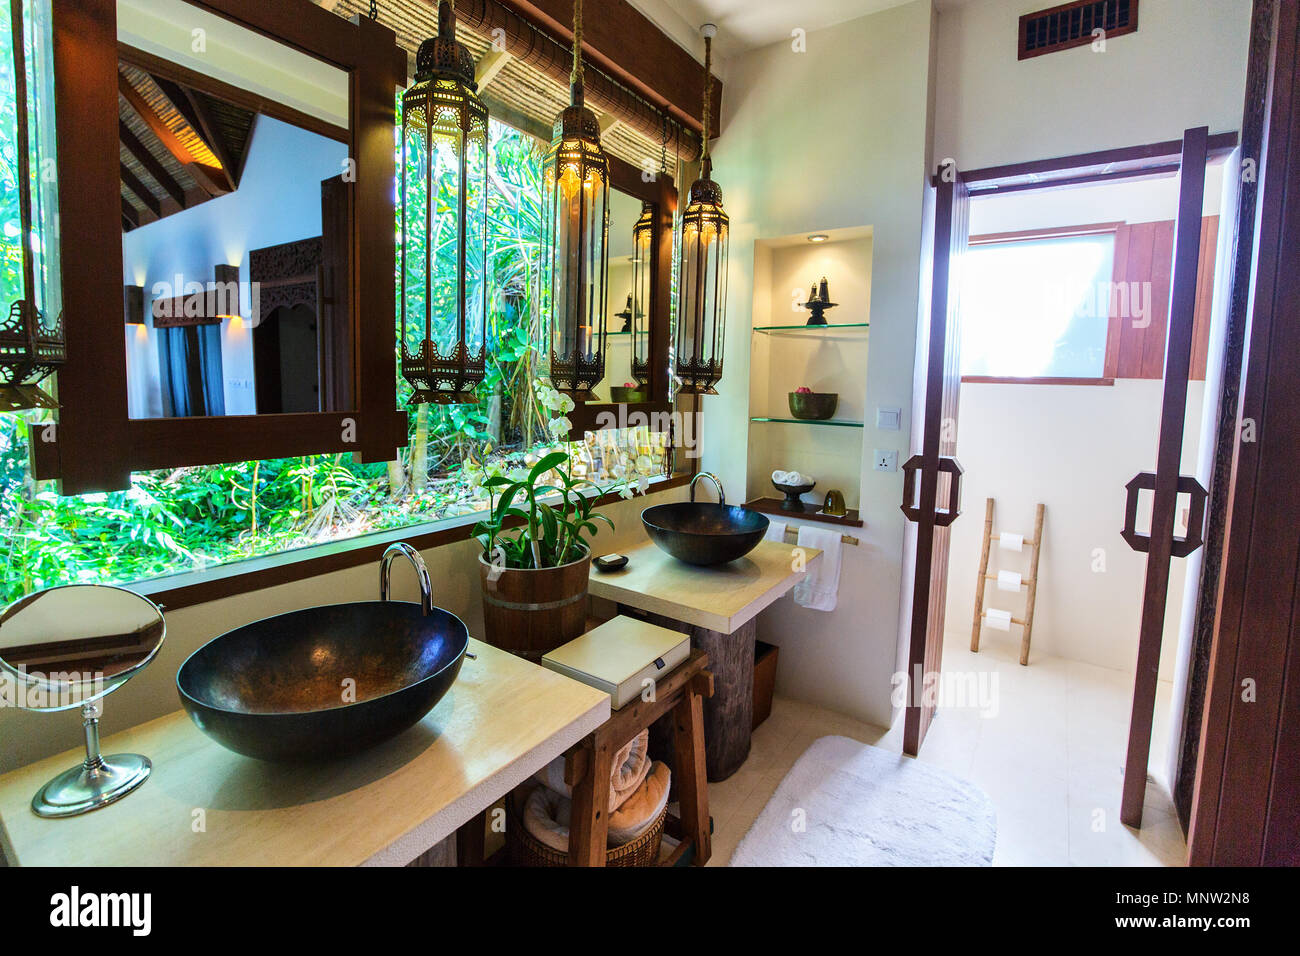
<point>1037,308</point>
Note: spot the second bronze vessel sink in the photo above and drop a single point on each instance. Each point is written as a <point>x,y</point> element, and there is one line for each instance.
<point>704,533</point>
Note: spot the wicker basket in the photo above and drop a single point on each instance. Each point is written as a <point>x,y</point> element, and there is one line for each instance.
<point>524,849</point>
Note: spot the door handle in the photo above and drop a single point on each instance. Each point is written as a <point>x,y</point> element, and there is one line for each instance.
<point>1181,547</point>
<point>943,517</point>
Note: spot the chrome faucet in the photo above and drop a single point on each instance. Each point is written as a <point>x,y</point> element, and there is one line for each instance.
<point>386,573</point>
<point>722,498</point>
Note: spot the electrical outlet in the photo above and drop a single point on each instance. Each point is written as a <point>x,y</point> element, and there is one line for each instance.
<point>884,460</point>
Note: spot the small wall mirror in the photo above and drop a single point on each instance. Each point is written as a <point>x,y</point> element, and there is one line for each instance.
<point>68,647</point>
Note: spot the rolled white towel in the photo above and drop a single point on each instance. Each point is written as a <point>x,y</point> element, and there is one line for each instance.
<point>791,478</point>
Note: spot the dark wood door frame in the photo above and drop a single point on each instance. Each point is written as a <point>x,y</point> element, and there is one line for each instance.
<point>1246,809</point>
<point>1160,546</point>
<point>934,469</point>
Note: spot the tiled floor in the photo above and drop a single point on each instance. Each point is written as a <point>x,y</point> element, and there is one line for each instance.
<point>1051,759</point>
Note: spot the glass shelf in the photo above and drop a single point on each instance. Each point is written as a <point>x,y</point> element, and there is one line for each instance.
<point>834,423</point>
<point>768,329</point>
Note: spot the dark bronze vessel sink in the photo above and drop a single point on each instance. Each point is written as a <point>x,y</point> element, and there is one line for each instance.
<point>704,533</point>
<point>322,682</point>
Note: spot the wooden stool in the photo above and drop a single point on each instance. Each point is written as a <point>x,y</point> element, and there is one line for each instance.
<point>589,765</point>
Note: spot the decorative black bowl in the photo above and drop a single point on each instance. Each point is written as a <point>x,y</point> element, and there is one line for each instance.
<point>813,406</point>
<point>704,533</point>
<point>792,493</point>
<point>278,689</point>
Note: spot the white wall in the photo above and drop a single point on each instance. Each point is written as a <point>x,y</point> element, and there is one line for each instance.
<point>834,137</point>
<point>1073,448</point>
<point>1176,72</point>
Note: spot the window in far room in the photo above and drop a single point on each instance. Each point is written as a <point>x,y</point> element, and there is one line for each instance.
<point>1037,307</point>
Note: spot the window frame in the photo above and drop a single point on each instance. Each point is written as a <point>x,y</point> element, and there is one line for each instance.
<point>1057,232</point>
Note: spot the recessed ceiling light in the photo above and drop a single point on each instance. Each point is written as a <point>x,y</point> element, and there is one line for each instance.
<point>818,237</point>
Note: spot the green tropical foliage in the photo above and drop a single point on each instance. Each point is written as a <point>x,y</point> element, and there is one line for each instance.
<point>553,533</point>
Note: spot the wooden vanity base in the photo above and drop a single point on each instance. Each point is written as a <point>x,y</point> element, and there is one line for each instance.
<point>729,713</point>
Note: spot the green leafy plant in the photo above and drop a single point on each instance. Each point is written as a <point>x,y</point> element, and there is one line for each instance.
<point>553,533</point>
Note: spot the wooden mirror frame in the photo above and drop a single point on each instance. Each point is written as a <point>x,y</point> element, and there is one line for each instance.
<point>96,445</point>
<point>662,194</point>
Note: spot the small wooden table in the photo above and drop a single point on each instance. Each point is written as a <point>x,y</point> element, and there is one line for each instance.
<point>717,607</point>
<point>502,721</point>
<point>589,764</point>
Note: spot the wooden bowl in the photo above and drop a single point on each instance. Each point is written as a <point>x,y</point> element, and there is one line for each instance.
<point>813,406</point>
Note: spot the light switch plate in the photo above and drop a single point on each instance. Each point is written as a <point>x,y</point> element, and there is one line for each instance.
<point>889,419</point>
<point>883,460</point>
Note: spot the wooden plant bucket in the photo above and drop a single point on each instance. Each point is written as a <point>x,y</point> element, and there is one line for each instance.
<point>531,612</point>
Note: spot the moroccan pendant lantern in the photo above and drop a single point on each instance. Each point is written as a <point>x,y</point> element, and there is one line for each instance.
<point>642,283</point>
<point>444,222</point>
<point>702,312</point>
<point>575,250</point>
<point>31,327</point>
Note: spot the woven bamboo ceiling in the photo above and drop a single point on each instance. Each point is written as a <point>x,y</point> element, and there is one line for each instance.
<point>515,92</point>
<point>178,146</point>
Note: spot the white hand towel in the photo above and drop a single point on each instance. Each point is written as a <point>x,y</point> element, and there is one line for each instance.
<point>775,532</point>
<point>1009,580</point>
<point>1011,542</point>
<point>820,587</point>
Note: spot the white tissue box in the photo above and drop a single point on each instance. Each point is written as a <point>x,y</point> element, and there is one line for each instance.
<point>619,656</point>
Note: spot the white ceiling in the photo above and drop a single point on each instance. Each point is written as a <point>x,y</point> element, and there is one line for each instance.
<point>747,24</point>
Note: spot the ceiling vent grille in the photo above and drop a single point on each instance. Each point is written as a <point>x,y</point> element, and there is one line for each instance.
<point>1075,24</point>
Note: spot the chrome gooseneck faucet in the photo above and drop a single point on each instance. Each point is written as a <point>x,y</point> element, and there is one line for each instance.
<point>386,572</point>
<point>717,483</point>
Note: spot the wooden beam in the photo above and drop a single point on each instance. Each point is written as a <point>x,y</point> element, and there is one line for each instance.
<point>489,65</point>
<point>129,213</point>
<point>207,129</point>
<point>147,159</point>
<point>627,44</point>
<point>215,182</point>
<point>142,192</point>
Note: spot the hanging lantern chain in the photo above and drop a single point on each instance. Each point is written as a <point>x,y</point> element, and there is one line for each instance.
<point>374,9</point>
<point>576,76</point>
<point>708,97</point>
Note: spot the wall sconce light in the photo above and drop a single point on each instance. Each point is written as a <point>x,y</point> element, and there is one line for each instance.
<point>133,304</point>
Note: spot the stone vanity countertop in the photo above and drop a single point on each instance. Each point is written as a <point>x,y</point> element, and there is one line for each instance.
<point>721,598</point>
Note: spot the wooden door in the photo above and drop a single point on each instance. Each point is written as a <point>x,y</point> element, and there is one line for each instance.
<point>1166,484</point>
<point>933,476</point>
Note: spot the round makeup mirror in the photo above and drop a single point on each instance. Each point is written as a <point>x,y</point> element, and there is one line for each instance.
<point>68,647</point>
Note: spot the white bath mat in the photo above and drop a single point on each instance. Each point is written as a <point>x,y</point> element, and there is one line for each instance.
<point>845,803</point>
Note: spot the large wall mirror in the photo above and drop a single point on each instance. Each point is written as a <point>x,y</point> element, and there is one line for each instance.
<point>234,156</point>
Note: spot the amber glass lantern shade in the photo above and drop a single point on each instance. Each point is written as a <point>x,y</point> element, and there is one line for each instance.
<point>642,286</point>
<point>444,205</point>
<point>701,319</point>
<point>31,306</point>
<point>575,251</point>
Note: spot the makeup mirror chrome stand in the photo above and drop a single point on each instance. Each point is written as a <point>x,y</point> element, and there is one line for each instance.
<point>69,647</point>
<point>97,782</point>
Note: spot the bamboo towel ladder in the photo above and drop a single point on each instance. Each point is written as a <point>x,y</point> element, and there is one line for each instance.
<point>1030,583</point>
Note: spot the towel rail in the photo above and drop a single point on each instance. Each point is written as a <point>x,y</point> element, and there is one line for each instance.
<point>792,534</point>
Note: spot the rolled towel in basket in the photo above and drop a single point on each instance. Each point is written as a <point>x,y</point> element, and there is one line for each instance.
<point>630,766</point>
<point>641,809</point>
<point>546,817</point>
